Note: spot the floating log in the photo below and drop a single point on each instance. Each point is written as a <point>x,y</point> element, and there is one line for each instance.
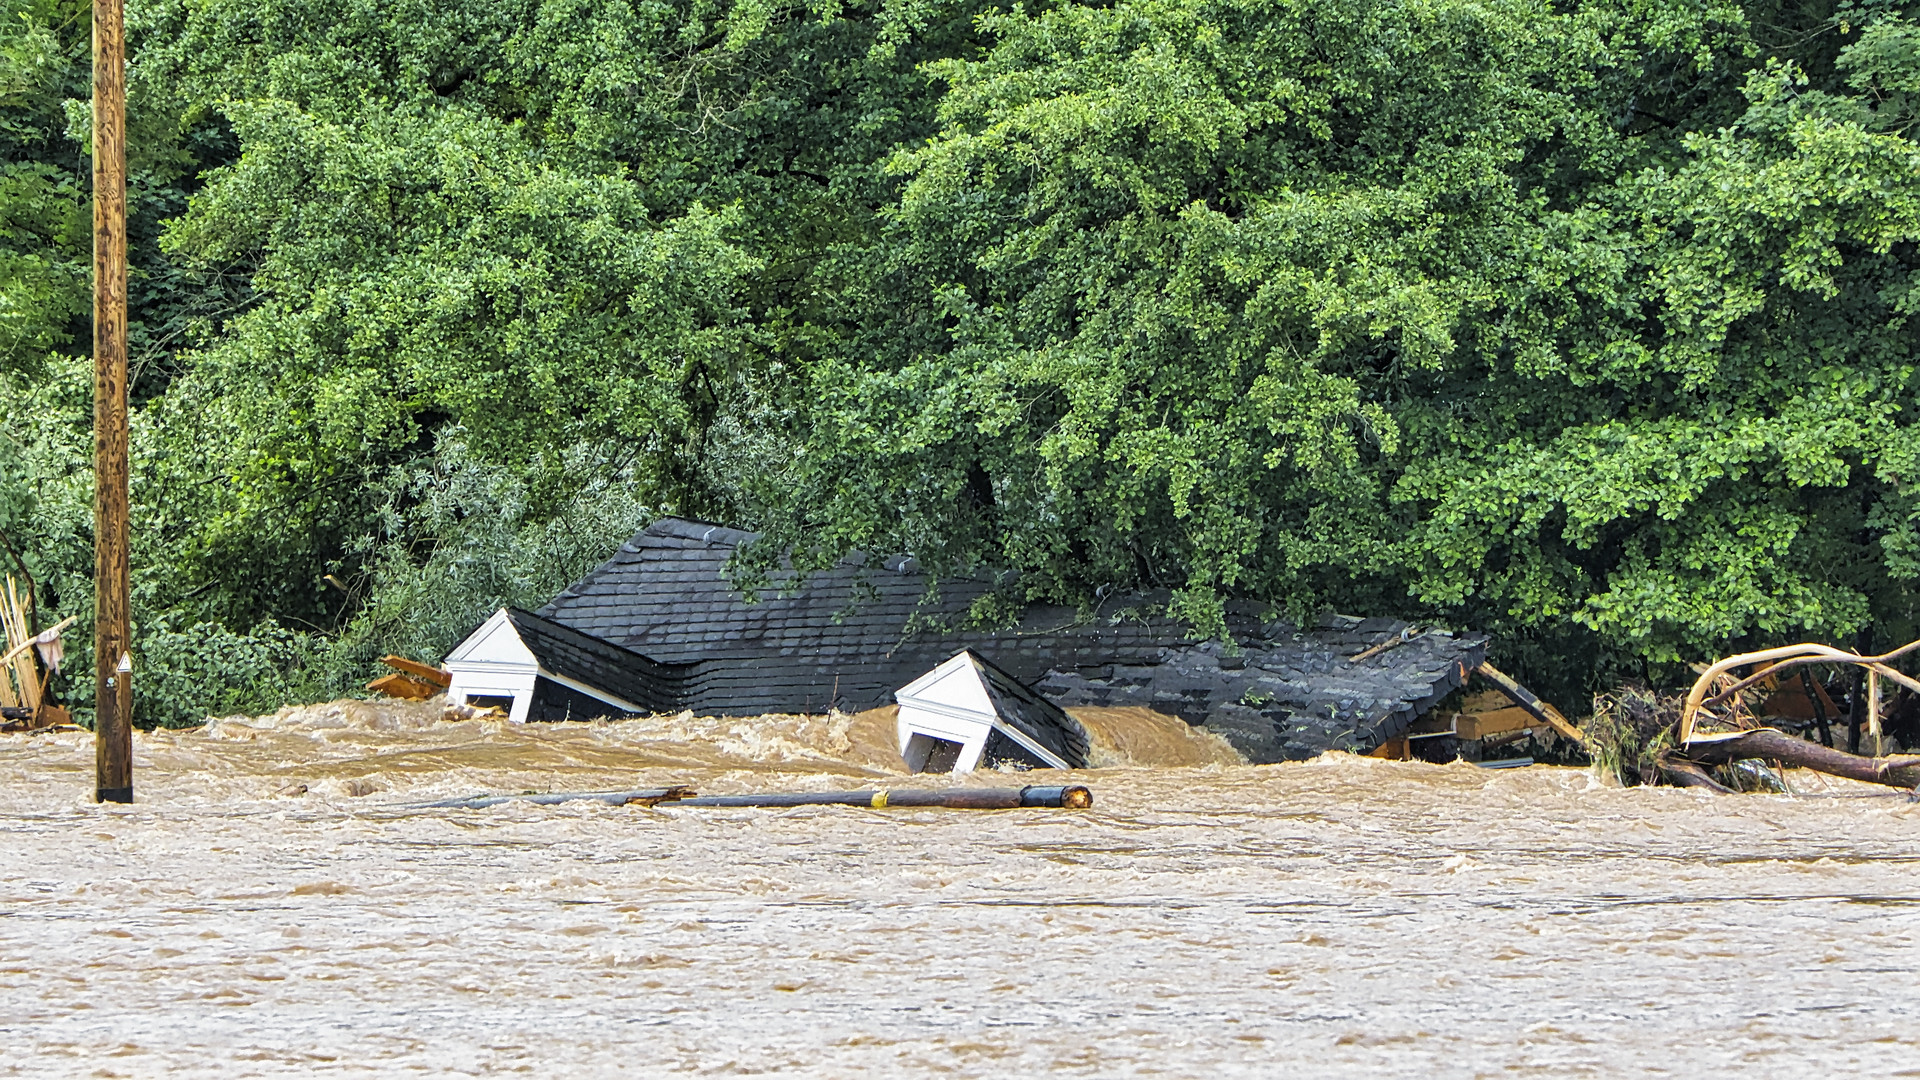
<point>643,797</point>
<point>1071,797</point>
<point>1775,745</point>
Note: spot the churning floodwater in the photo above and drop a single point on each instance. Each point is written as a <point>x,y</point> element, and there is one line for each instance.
<point>273,906</point>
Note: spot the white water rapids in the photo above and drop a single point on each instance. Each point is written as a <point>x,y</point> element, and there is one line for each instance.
<point>1344,917</point>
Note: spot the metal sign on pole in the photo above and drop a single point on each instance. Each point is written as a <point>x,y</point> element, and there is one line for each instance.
<point>112,634</point>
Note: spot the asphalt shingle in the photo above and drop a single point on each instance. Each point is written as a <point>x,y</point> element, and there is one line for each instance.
<point>849,637</point>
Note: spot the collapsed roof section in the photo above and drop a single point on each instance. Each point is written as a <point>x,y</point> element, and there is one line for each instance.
<point>1291,695</point>
<point>855,632</point>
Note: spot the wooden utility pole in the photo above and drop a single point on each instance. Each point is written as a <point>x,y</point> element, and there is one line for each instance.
<point>113,631</point>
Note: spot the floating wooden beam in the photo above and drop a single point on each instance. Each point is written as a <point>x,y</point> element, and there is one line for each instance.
<point>424,672</point>
<point>1524,698</point>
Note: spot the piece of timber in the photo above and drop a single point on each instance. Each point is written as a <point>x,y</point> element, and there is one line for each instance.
<point>1524,698</point>
<point>644,797</point>
<point>32,641</point>
<point>1399,749</point>
<point>1498,722</point>
<point>1773,744</point>
<point>397,685</point>
<point>1071,797</point>
<point>425,672</point>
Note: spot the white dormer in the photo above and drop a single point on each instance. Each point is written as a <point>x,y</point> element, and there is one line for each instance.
<point>519,661</point>
<point>494,663</point>
<point>951,715</point>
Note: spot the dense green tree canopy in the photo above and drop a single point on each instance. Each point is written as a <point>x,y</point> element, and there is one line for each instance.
<point>1583,323</point>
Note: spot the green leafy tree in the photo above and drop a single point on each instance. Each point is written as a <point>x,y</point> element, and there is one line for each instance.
<point>1583,323</point>
<point>1574,324</point>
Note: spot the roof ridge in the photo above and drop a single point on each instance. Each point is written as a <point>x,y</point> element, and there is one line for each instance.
<point>560,629</point>
<point>683,528</point>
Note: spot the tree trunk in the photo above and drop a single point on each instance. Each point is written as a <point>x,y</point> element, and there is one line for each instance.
<point>1819,706</point>
<point>1900,772</point>
<point>1857,702</point>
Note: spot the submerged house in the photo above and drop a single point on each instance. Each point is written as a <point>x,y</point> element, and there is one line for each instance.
<point>660,628</point>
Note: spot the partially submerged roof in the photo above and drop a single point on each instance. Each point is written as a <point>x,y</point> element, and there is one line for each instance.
<point>847,639</point>
<point>1292,695</point>
<point>600,669</point>
<point>858,630</point>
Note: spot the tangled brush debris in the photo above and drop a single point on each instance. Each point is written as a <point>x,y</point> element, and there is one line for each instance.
<point>1715,737</point>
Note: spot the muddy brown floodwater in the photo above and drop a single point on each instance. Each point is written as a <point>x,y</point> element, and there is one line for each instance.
<point>1344,917</point>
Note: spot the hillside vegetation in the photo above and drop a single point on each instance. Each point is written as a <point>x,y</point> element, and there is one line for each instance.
<point>1584,323</point>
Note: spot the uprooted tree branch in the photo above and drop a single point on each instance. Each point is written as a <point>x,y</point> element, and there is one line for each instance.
<point>1639,734</point>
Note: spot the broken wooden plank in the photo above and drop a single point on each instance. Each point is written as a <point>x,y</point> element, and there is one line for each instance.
<point>424,672</point>
<point>1497,722</point>
<point>398,685</point>
<point>1524,698</point>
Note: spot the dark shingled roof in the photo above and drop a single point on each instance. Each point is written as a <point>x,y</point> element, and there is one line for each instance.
<point>608,668</point>
<point>859,631</point>
<point>1036,717</point>
<point>1293,695</point>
